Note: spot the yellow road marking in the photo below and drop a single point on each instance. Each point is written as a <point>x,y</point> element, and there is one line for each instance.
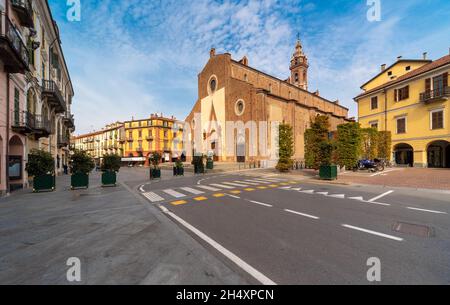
<point>273,185</point>
<point>219,195</point>
<point>179,202</point>
<point>200,199</point>
<point>284,183</point>
<point>262,187</point>
<point>293,182</point>
<point>249,189</point>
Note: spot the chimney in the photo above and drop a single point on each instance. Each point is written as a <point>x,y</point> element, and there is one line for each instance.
<point>383,67</point>
<point>399,57</point>
<point>212,53</point>
<point>425,55</point>
<point>337,102</point>
<point>317,92</point>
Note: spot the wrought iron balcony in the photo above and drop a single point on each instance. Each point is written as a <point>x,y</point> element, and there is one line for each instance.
<point>24,12</point>
<point>42,127</point>
<point>63,141</point>
<point>23,122</point>
<point>69,121</point>
<point>13,51</point>
<point>51,91</point>
<point>435,95</point>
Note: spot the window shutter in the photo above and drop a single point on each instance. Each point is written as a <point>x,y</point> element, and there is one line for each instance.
<point>395,95</point>
<point>445,76</point>
<point>428,84</point>
<point>406,92</point>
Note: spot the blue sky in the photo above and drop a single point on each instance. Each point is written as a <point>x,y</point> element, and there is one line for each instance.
<point>137,57</point>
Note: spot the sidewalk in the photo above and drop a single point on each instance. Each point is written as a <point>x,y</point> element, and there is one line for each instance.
<point>119,238</point>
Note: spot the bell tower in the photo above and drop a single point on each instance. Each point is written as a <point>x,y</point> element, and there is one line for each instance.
<point>299,67</point>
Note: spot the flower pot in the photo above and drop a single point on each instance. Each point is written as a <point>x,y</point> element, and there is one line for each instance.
<point>44,183</point>
<point>109,178</point>
<point>79,180</point>
<point>210,164</point>
<point>328,172</point>
<point>155,173</point>
<point>178,171</point>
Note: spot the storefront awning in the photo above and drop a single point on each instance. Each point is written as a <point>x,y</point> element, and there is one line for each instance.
<point>134,159</point>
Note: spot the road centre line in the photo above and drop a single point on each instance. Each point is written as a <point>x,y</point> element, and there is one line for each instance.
<point>260,203</point>
<point>302,214</point>
<point>424,210</point>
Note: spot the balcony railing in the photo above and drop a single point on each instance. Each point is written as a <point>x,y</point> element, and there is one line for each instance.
<point>42,127</point>
<point>22,121</point>
<point>13,50</point>
<point>63,141</point>
<point>24,11</point>
<point>69,120</point>
<point>51,91</point>
<point>435,95</point>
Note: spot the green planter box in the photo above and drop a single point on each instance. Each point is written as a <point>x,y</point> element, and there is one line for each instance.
<point>328,172</point>
<point>199,169</point>
<point>155,174</point>
<point>178,171</point>
<point>79,180</point>
<point>210,164</point>
<point>45,183</point>
<point>109,178</point>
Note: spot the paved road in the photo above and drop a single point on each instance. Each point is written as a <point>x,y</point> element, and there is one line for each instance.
<point>286,231</point>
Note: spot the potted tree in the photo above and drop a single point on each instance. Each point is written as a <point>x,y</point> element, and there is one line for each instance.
<point>155,171</point>
<point>81,164</point>
<point>178,169</point>
<point>210,163</point>
<point>199,167</point>
<point>110,168</point>
<point>41,167</point>
<point>327,171</point>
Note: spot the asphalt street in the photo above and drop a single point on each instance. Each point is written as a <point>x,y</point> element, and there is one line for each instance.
<point>283,230</point>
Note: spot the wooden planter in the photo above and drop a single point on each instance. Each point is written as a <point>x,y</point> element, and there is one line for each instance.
<point>210,164</point>
<point>178,171</point>
<point>79,180</point>
<point>109,178</point>
<point>44,183</point>
<point>155,174</point>
<point>328,172</point>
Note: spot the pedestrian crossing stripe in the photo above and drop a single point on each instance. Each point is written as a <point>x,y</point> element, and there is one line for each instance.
<point>179,202</point>
<point>284,183</point>
<point>259,181</point>
<point>153,197</point>
<point>236,184</point>
<point>174,193</point>
<point>222,186</point>
<point>208,188</point>
<point>192,191</point>
<point>235,192</point>
<point>274,185</point>
<point>248,182</point>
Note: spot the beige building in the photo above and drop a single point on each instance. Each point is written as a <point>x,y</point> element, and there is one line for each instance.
<point>233,91</point>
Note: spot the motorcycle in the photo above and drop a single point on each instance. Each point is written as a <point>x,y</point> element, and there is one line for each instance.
<point>375,165</point>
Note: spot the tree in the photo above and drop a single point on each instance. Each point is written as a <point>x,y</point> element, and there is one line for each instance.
<point>384,145</point>
<point>315,137</point>
<point>369,143</point>
<point>81,162</point>
<point>40,163</point>
<point>111,162</point>
<point>286,147</point>
<point>348,144</point>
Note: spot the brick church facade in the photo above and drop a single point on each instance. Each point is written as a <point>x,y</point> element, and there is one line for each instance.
<point>232,91</point>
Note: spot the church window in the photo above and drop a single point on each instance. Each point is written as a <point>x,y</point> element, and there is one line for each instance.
<point>212,84</point>
<point>296,77</point>
<point>239,107</point>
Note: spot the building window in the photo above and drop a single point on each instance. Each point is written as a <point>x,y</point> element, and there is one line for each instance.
<point>408,68</point>
<point>401,125</point>
<point>374,125</point>
<point>130,146</point>
<point>401,94</point>
<point>390,73</point>
<point>212,84</point>
<point>239,107</point>
<point>374,103</point>
<point>437,119</point>
<point>245,77</point>
<point>296,77</point>
<point>140,134</point>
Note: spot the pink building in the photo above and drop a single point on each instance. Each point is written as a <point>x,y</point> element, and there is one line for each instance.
<point>35,90</point>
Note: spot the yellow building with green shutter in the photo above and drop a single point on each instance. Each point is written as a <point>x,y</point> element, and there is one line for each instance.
<point>144,137</point>
<point>410,98</point>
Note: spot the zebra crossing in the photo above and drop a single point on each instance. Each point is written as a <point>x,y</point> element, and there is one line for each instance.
<point>188,191</point>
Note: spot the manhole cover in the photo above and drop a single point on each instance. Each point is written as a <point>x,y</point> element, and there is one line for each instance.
<point>413,229</point>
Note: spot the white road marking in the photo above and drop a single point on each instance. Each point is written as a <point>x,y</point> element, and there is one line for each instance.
<point>378,203</point>
<point>251,183</point>
<point>236,184</point>
<point>260,181</point>
<point>423,210</point>
<point>191,190</point>
<point>308,192</point>
<point>208,188</point>
<point>141,188</point>
<point>153,197</point>
<point>373,232</point>
<point>222,186</point>
<point>383,173</point>
<point>357,198</point>
<point>174,193</point>
<point>298,189</point>
<point>260,203</point>
<point>302,214</point>
<point>287,188</point>
<point>232,196</point>
<point>231,256</point>
<point>340,196</point>
<point>275,179</point>
<point>381,196</point>
<point>323,193</point>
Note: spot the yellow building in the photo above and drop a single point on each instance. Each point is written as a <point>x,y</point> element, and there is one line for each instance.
<point>155,134</point>
<point>99,143</point>
<point>410,98</point>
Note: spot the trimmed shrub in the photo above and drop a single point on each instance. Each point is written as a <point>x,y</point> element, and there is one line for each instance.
<point>314,137</point>
<point>369,143</point>
<point>348,145</point>
<point>384,145</point>
<point>286,148</point>
<point>81,162</point>
<point>111,163</point>
<point>40,163</point>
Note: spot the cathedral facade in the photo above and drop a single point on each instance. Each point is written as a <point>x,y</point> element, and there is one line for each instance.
<point>239,107</point>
